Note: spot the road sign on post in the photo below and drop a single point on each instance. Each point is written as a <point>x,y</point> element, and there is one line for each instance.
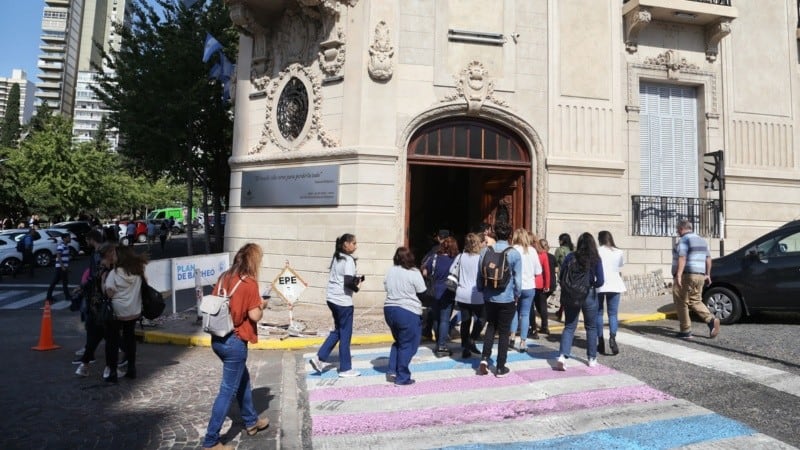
<point>289,287</point>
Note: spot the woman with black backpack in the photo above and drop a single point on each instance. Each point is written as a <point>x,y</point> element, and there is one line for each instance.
<point>580,275</point>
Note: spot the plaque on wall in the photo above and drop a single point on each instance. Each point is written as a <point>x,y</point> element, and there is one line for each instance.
<point>296,186</point>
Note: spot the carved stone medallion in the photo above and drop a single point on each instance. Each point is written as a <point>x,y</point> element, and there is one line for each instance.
<point>380,54</point>
<point>474,85</point>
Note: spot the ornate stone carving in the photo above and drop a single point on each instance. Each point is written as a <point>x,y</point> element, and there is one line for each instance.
<point>635,21</point>
<point>380,54</point>
<point>242,17</point>
<point>331,58</point>
<point>289,136</point>
<point>672,62</point>
<point>474,86</point>
<point>714,34</point>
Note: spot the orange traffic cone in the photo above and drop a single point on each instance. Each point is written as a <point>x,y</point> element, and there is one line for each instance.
<point>46,334</point>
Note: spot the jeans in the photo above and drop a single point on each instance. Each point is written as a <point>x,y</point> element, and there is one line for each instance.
<point>468,311</point>
<point>63,276</point>
<point>571,314</point>
<point>612,299</point>
<point>406,330</point>
<point>442,310</point>
<point>522,317</point>
<point>498,318</point>
<point>128,343</point>
<point>235,381</point>
<point>343,331</point>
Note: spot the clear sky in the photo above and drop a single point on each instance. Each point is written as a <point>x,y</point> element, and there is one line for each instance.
<point>20,27</point>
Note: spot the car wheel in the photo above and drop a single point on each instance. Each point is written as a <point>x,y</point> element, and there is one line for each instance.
<point>724,304</point>
<point>142,238</point>
<point>124,241</point>
<point>43,258</point>
<point>10,266</point>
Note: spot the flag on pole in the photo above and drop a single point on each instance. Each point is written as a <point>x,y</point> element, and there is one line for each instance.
<point>211,46</point>
<point>227,68</point>
<point>215,72</point>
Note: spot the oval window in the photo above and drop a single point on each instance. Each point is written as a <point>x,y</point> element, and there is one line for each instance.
<point>292,109</point>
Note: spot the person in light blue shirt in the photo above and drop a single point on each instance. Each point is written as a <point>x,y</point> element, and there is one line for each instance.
<point>500,303</point>
<point>691,268</point>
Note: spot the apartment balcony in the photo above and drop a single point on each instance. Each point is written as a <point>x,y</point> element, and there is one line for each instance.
<point>50,38</point>
<point>49,66</point>
<point>50,76</point>
<point>48,85</point>
<point>659,216</point>
<point>714,16</point>
<point>49,95</point>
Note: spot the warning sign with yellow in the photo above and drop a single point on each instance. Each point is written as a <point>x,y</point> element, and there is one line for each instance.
<point>289,285</point>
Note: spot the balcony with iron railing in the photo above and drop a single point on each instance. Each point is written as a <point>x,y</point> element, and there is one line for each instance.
<point>659,216</point>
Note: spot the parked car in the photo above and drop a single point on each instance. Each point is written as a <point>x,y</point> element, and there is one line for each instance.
<point>44,246</point>
<point>56,233</point>
<point>141,232</point>
<point>764,275</point>
<point>10,258</point>
<point>79,228</point>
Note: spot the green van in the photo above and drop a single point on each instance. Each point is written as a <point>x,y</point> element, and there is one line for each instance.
<point>172,213</point>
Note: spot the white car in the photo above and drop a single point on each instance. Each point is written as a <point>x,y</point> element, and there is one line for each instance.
<point>44,246</point>
<point>10,258</point>
<point>74,245</point>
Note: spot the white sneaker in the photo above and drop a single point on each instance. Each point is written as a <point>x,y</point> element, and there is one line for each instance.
<point>561,363</point>
<point>83,370</point>
<point>592,362</point>
<point>350,373</point>
<point>121,371</point>
<point>106,372</point>
<point>316,364</point>
<point>80,351</point>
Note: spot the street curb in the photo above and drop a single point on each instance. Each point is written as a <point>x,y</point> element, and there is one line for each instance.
<point>298,343</point>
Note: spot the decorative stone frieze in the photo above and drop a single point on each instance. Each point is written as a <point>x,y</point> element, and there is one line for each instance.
<point>475,87</point>
<point>714,34</point>
<point>671,61</point>
<point>635,21</point>
<point>380,54</point>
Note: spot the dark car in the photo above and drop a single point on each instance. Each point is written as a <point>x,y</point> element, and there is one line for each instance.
<point>78,227</point>
<point>761,276</point>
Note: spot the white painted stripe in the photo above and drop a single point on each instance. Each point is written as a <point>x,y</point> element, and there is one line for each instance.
<point>9,294</point>
<point>755,441</point>
<point>512,430</point>
<point>523,391</point>
<point>766,376</point>
<point>25,302</point>
<point>59,305</point>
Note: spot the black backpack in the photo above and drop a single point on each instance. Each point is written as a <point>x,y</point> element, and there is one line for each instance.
<point>575,284</point>
<point>494,268</point>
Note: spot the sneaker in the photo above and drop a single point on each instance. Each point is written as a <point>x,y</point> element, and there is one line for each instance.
<point>79,360</point>
<point>535,335</point>
<point>82,370</point>
<point>390,377</point>
<point>316,364</point>
<point>122,371</point>
<point>483,367</point>
<point>349,373</point>
<point>523,347</point>
<point>502,372</point>
<point>474,349</point>
<point>408,382</point>
<point>442,352</point>
<point>713,328</point>
<point>545,331</point>
<point>561,363</point>
<point>517,343</point>
<point>80,351</point>
<point>122,363</point>
<point>682,335</point>
<point>592,362</point>
<point>106,372</point>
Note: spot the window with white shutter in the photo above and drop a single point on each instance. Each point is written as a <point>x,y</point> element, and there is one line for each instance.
<point>668,140</point>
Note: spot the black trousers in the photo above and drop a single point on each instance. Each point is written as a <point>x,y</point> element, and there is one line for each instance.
<point>470,330</point>
<point>498,319</point>
<point>63,276</point>
<point>128,343</point>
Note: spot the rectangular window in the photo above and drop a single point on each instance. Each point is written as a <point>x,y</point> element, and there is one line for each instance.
<point>668,140</point>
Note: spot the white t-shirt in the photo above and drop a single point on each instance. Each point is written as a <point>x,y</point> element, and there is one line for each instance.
<point>402,286</point>
<point>127,298</point>
<point>337,293</point>
<point>530,267</point>
<point>613,261</point>
<point>467,292</point>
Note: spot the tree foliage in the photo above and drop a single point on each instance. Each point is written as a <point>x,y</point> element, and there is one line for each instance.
<point>9,133</point>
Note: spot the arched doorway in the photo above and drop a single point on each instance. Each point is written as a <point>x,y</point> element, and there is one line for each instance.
<point>462,172</point>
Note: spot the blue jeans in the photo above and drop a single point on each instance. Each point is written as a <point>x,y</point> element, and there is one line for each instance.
<point>343,331</point>
<point>235,381</point>
<point>612,298</point>
<point>571,314</point>
<point>442,310</point>
<point>406,330</point>
<point>522,317</point>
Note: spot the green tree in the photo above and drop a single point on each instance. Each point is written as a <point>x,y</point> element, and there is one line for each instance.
<point>40,117</point>
<point>172,121</point>
<point>100,140</point>
<point>9,134</point>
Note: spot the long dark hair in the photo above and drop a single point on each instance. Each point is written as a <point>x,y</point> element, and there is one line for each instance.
<point>605,238</point>
<point>564,239</point>
<point>339,250</point>
<point>586,251</point>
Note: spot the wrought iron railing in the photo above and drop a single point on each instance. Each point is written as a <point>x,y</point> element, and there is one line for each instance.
<point>713,2</point>
<point>659,216</point>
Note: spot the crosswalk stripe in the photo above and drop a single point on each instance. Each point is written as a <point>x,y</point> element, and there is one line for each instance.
<point>766,376</point>
<point>61,304</point>
<point>26,302</point>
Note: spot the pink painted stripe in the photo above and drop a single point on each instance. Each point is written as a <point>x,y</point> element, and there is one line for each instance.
<point>376,422</point>
<point>466,383</point>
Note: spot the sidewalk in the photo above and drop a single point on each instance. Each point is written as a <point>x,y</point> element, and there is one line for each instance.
<point>313,321</point>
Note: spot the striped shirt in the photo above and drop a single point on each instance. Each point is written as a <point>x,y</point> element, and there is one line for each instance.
<point>62,255</point>
<point>695,249</point>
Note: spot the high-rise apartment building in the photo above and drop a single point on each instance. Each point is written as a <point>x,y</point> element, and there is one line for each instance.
<point>26,91</point>
<point>58,60</point>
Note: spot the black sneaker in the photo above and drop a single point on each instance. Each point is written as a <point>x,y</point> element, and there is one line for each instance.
<point>443,351</point>
<point>682,335</point>
<point>502,372</point>
<point>466,353</point>
<point>79,359</point>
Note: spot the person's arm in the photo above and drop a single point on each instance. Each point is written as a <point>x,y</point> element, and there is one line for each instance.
<point>256,314</point>
<point>545,266</point>
<point>708,269</point>
<point>599,276</point>
<point>679,272</point>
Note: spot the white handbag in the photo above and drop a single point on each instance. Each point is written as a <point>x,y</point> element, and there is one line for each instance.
<point>216,311</point>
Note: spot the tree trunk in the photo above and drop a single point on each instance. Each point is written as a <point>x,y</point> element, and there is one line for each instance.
<point>190,207</point>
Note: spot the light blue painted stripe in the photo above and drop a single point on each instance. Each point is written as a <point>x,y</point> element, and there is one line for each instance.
<point>438,364</point>
<point>662,434</point>
<point>456,351</point>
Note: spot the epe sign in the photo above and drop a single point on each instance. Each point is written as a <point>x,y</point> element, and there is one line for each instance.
<point>289,285</point>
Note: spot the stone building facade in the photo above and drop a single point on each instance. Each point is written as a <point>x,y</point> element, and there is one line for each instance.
<point>392,119</point>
